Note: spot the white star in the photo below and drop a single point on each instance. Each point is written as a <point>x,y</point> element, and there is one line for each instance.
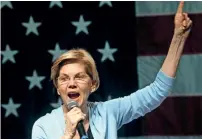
<point>11,108</point>
<point>107,52</point>
<point>6,3</point>
<point>57,52</point>
<point>8,54</point>
<point>35,80</point>
<point>31,26</point>
<point>58,104</point>
<point>57,3</point>
<point>81,25</point>
<point>105,2</point>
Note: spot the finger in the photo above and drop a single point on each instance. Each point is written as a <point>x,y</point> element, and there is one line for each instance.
<point>84,115</point>
<point>180,7</point>
<point>184,23</point>
<point>79,118</point>
<point>78,112</point>
<point>189,24</point>
<point>75,109</point>
<point>185,15</point>
<point>188,19</point>
<point>73,112</point>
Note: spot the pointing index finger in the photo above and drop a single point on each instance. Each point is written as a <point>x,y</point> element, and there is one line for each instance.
<point>180,7</point>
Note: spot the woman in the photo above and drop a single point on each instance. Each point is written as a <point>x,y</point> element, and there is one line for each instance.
<point>75,77</point>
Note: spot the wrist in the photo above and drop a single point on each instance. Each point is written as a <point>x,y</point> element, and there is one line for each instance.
<point>181,33</point>
<point>178,35</point>
<point>67,137</point>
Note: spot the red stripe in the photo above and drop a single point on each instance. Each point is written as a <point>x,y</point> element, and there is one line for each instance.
<point>155,34</point>
<point>176,116</point>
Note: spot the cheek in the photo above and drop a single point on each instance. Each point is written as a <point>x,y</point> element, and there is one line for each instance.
<point>89,86</point>
<point>61,89</point>
<point>86,88</point>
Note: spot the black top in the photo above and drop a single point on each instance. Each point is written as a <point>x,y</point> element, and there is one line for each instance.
<point>90,135</point>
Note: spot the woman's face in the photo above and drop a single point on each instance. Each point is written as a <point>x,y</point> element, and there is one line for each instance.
<point>74,83</point>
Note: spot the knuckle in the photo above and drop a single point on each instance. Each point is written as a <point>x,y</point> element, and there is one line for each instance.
<point>79,109</point>
<point>75,108</point>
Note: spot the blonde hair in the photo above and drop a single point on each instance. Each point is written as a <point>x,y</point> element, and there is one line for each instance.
<point>73,56</point>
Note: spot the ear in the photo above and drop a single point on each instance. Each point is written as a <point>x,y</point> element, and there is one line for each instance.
<point>92,90</point>
<point>93,87</point>
<point>58,92</point>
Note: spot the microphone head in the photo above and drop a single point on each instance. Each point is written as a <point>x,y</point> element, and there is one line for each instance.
<point>71,104</point>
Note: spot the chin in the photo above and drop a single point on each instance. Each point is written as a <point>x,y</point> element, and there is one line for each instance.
<point>79,100</point>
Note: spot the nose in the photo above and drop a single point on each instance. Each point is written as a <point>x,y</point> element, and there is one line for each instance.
<point>72,84</point>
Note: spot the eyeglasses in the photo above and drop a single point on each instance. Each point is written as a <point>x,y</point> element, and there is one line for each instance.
<point>78,78</point>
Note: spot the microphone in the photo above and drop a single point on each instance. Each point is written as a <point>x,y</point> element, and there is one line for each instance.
<point>80,126</point>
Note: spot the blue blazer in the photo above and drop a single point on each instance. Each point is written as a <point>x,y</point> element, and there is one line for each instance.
<point>107,117</point>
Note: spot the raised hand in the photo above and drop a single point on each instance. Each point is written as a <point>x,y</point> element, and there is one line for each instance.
<point>182,21</point>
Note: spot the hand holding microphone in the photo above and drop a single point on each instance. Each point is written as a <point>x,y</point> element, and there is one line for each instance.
<point>73,120</point>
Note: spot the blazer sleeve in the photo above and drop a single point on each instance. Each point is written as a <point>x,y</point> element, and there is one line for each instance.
<point>142,101</point>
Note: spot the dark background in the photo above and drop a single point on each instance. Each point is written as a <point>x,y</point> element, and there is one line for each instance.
<point>132,35</point>
<point>116,25</point>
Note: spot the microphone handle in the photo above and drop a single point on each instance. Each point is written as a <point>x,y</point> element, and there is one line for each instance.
<point>81,130</point>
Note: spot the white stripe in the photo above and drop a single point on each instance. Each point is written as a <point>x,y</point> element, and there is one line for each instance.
<point>188,78</point>
<point>163,137</point>
<point>153,8</point>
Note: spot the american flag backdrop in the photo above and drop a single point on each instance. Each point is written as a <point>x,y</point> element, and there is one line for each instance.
<point>128,40</point>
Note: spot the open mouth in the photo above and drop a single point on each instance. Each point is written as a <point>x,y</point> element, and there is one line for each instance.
<point>73,95</point>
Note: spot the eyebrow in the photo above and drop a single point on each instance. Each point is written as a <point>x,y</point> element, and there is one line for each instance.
<point>64,74</point>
